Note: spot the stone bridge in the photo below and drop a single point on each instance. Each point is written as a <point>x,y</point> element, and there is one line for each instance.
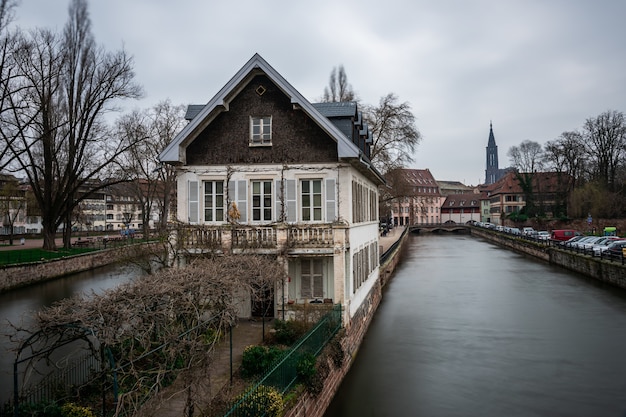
<point>440,228</point>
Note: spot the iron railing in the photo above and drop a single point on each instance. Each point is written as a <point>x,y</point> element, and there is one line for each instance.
<point>284,373</point>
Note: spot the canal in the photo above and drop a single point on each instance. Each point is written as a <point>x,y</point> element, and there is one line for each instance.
<point>18,306</point>
<point>467,328</point>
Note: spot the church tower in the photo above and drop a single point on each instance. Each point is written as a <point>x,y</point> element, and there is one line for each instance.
<point>492,173</point>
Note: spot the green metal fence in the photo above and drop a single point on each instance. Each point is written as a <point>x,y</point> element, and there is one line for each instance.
<point>257,401</point>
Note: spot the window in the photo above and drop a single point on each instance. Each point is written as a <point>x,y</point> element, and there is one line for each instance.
<point>261,130</point>
<point>311,200</point>
<point>312,279</point>
<point>262,200</point>
<point>213,201</point>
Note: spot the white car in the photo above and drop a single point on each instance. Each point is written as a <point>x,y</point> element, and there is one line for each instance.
<point>543,235</point>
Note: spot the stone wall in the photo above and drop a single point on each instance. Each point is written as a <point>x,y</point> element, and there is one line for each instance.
<point>15,276</point>
<point>353,333</point>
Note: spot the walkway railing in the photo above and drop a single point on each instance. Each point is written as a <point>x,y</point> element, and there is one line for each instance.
<point>284,373</point>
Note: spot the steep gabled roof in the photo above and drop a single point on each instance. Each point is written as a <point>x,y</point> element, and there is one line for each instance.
<point>466,200</point>
<point>175,151</point>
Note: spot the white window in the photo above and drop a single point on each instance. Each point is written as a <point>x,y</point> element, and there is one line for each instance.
<point>262,200</point>
<point>261,130</point>
<point>213,201</point>
<point>311,197</point>
<point>312,280</point>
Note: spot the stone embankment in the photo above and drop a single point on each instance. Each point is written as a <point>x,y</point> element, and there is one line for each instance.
<point>603,270</point>
<point>352,336</point>
<point>20,275</point>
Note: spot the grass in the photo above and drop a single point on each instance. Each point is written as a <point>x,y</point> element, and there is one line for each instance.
<point>18,256</point>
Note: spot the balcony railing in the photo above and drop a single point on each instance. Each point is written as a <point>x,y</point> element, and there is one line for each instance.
<point>316,236</point>
<point>275,237</point>
<point>254,237</point>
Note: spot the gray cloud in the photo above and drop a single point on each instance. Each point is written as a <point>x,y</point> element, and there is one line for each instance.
<point>534,68</point>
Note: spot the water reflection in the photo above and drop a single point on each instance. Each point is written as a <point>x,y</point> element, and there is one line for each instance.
<point>18,306</point>
<point>469,329</point>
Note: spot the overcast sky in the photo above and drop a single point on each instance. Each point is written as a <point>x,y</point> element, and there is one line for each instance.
<point>533,68</point>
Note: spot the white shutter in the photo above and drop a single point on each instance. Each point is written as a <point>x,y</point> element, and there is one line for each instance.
<point>242,200</point>
<point>279,201</point>
<point>192,200</point>
<point>331,200</point>
<point>291,201</point>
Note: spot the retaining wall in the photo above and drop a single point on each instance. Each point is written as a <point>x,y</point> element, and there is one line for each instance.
<point>15,276</point>
<point>353,333</point>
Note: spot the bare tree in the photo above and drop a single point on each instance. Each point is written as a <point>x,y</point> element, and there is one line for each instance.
<point>163,325</point>
<point>7,70</point>
<point>56,131</point>
<point>338,88</point>
<point>605,142</point>
<point>527,157</point>
<point>566,154</point>
<point>147,134</point>
<point>394,133</point>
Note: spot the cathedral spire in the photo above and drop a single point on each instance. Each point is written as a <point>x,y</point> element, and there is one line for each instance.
<point>492,173</point>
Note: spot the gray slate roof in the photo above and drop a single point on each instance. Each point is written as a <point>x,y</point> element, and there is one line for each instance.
<point>338,109</point>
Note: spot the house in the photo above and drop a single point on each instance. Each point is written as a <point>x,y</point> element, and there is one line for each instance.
<point>542,194</point>
<point>461,208</point>
<point>417,198</point>
<point>263,170</point>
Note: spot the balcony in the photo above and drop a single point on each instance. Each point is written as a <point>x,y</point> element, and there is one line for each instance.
<point>261,239</point>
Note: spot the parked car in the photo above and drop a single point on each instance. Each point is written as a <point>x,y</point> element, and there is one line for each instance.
<point>580,243</point>
<point>616,248</point>
<point>572,240</point>
<point>543,235</point>
<point>603,245</point>
<point>563,234</point>
<point>528,231</point>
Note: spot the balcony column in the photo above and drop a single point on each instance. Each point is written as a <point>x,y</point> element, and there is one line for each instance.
<point>340,266</point>
<point>282,237</point>
<point>227,240</point>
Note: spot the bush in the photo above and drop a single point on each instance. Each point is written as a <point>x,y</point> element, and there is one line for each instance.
<point>306,368</point>
<point>288,332</point>
<point>74,410</point>
<point>257,359</point>
<point>262,399</point>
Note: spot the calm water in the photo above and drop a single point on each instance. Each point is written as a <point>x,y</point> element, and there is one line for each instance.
<point>469,329</point>
<point>19,305</point>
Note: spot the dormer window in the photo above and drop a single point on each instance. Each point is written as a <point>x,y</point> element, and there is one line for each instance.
<point>261,131</point>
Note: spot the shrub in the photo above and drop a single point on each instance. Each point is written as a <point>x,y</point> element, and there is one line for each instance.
<point>74,410</point>
<point>257,359</point>
<point>288,332</point>
<point>262,399</point>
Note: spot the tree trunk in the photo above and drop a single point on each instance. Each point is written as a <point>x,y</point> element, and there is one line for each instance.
<point>49,235</point>
<point>67,231</point>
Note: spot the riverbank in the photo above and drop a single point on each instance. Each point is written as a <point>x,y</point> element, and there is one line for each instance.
<point>21,275</point>
<point>613,273</point>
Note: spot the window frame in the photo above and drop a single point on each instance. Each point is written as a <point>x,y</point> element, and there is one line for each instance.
<point>265,205</point>
<point>213,208</point>
<point>310,197</point>
<point>261,138</point>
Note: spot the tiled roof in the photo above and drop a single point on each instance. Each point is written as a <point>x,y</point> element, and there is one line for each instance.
<point>338,109</point>
<point>466,200</point>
